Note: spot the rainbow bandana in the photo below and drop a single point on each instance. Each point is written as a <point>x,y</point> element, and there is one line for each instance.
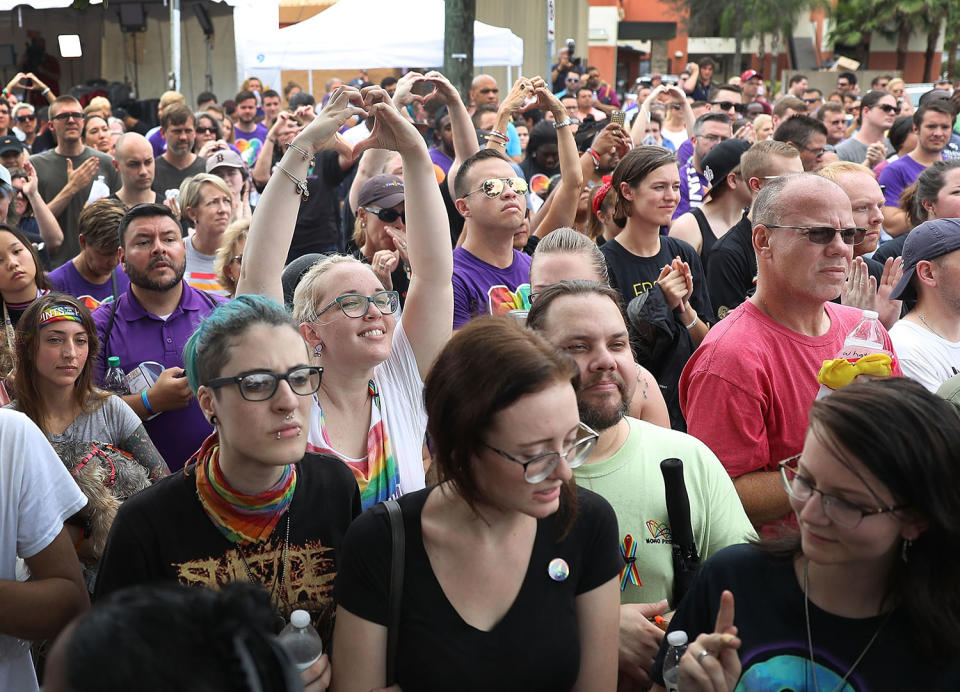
<point>240,517</point>
<point>59,313</point>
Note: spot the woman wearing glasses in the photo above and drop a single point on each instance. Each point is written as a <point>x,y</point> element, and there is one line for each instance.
<point>251,505</point>
<point>510,569</point>
<point>866,596</point>
<point>369,409</point>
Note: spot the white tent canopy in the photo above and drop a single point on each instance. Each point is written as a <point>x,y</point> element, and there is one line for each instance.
<point>377,33</point>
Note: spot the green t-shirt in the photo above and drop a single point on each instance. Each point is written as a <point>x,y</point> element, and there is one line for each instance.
<point>631,482</point>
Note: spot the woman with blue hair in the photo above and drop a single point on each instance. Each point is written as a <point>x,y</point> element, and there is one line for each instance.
<point>251,504</point>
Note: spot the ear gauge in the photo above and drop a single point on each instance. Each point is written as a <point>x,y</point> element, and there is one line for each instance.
<point>318,350</point>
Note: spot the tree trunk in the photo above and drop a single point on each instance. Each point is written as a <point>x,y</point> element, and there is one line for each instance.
<point>951,52</point>
<point>458,41</point>
<point>928,54</point>
<point>903,43</point>
<point>738,39</point>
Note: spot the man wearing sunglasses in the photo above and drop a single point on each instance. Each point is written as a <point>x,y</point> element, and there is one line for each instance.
<point>24,119</point>
<point>584,320</point>
<point>869,145</point>
<point>775,342</point>
<point>66,173</point>
<point>727,99</point>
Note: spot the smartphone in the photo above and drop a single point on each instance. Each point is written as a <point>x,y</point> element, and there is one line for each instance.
<point>618,117</point>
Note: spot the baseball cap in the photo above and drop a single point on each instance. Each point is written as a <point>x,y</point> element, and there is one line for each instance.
<point>224,157</point>
<point>950,390</point>
<point>383,190</point>
<point>929,240</point>
<point>6,183</point>
<point>10,143</point>
<point>722,159</point>
<point>750,74</point>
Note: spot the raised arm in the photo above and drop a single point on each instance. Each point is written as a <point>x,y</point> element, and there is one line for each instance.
<point>271,228</point>
<point>50,230</point>
<point>465,142</point>
<point>564,208</point>
<point>639,129</point>
<point>282,128</point>
<point>428,312</point>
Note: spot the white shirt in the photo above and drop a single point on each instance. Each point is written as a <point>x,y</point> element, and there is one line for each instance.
<point>924,356</point>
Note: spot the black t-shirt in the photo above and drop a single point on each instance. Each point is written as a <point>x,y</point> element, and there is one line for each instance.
<point>707,236</point>
<point>768,602</point>
<point>163,534</point>
<point>890,248</point>
<point>633,275</point>
<point>732,269</point>
<point>318,223</point>
<point>534,647</point>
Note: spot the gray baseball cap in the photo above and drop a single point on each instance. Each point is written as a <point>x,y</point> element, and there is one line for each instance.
<point>224,157</point>
<point>929,240</point>
<point>383,190</point>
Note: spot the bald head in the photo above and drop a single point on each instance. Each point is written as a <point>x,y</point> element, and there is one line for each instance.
<point>484,90</point>
<point>133,159</point>
<point>792,193</point>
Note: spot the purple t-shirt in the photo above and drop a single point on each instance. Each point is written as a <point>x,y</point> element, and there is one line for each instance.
<point>483,289</point>
<point>67,279</point>
<point>693,185</point>
<point>139,336</point>
<point>158,143</point>
<point>249,144</point>
<point>441,159</point>
<point>685,151</point>
<point>898,175</point>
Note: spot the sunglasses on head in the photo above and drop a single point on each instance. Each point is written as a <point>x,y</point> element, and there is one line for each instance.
<point>494,187</point>
<point>823,235</point>
<point>25,118</point>
<point>387,215</point>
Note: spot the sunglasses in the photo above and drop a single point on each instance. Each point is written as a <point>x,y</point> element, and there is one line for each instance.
<point>25,118</point>
<point>489,91</point>
<point>572,81</point>
<point>811,101</point>
<point>675,106</point>
<point>494,187</point>
<point>823,235</point>
<point>888,109</point>
<point>62,117</point>
<point>727,105</point>
<point>387,215</point>
<point>206,130</point>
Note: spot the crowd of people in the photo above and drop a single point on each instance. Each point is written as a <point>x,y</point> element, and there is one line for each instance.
<point>411,361</point>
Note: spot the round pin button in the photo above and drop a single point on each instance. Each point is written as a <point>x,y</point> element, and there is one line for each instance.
<point>558,569</point>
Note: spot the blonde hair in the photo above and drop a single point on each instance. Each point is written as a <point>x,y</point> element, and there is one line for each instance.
<point>168,97</point>
<point>359,231</point>
<point>571,241</point>
<point>309,292</point>
<point>834,171</point>
<point>190,190</point>
<point>761,120</point>
<point>235,232</point>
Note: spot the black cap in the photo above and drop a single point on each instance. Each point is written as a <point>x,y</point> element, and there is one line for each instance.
<point>10,143</point>
<point>722,159</point>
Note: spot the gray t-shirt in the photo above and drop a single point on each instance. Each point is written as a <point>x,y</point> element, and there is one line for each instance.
<point>200,273</point>
<point>113,423</point>
<point>166,177</point>
<point>52,176</point>
<point>855,151</point>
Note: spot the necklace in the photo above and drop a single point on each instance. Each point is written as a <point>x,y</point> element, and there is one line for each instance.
<point>806,615</point>
<point>281,579</point>
<point>927,325</point>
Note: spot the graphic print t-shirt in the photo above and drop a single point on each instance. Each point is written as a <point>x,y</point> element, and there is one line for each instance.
<point>483,289</point>
<point>163,534</point>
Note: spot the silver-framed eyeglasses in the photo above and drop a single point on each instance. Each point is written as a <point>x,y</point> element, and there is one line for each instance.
<point>838,510</point>
<point>355,305</point>
<point>538,467</point>
<point>260,385</point>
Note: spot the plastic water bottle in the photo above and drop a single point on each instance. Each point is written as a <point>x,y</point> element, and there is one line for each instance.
<point>671,662</point>
<point>301,641</point>
<point>98,190</point>
<point>864,339</point>
<point>115,379</point>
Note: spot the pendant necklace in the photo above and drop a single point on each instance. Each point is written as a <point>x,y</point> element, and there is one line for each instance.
<point>806,614</point>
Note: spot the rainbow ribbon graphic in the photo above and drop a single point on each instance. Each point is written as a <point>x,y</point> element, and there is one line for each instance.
<point>629,573</point>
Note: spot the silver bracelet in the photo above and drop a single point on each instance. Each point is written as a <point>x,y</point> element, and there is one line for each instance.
<point>565,123</point>
<point>301,184</point>
<point>303,153</point>
<point>692,324</point>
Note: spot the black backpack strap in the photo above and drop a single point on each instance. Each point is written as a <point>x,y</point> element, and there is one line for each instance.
<point>396,585</point>
<point>105,349</point>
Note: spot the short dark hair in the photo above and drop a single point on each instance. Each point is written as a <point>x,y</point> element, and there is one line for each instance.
<point>937,106</point>
<point>876,80</point>
<point>872,98</point>
<point>205,97</point>
<point>290,87</point>
<point>786,103</point>
<point>537,317</point>
<point>461,186</point>
<point>99,221</point>
<point>244,96</point>
<point>721,118</point>
<point>302,98</point>
<point>899,131</point>
<point>143,211</point>
<point>387,81</point>
<point>584,88</point>
<point>849,76</point>
<point>797,78</point>
<point>703,62</point>
<point>270,93</point>
<point>799,129</point>
<point>480,110</point>
<point>462,394</point>
<point>813,90</point>
<point>735,88</point>
<point>175,114</point>
<point>829,107</point>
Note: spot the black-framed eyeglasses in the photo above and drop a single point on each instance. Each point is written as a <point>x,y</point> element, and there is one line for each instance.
<point>823,235</point>
<point>62,117</point>
<point>838,510</point>
<point>888,109</point>
<point>536,468</point>
<point>387,215</point>
<point>494,187</point>
<point>261,385</point>
<point>355,305</point>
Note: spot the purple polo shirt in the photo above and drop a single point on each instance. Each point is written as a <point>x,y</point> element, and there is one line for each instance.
<point>138,336</point>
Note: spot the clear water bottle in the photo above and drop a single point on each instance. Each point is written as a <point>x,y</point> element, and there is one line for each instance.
<point>671,662</point>
<point>301,641</point>
<point>115,379</point>
<point>866,338</point>
<point>98,190</point>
